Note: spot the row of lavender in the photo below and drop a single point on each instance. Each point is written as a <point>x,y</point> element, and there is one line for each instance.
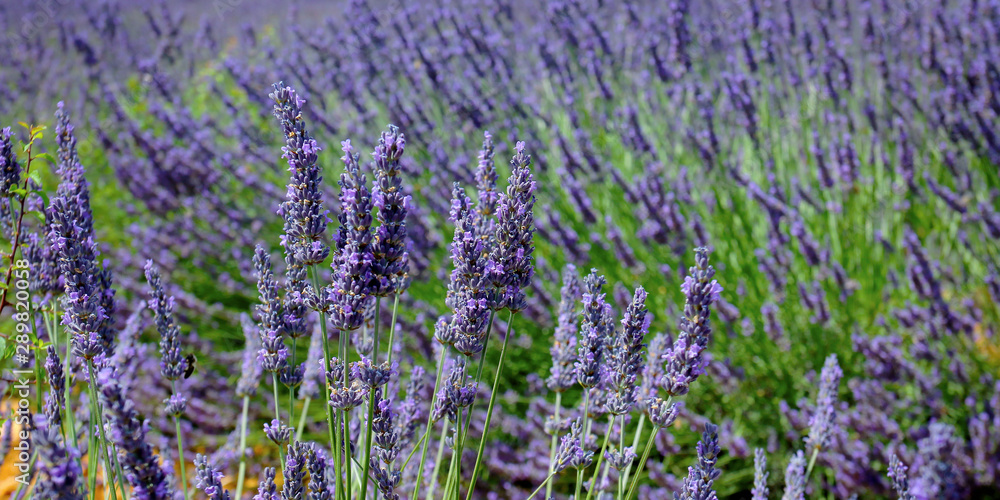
<point>492,265</point>
<point>870,126</point>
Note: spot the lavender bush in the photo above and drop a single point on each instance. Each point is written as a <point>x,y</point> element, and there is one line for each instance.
<point>731,193</point>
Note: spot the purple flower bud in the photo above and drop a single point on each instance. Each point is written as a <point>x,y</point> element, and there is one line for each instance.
<point>698,483</point>
<point>390,261</point>
<point>295,471</point>
<point>305,217</point>
<point>209,479</point>
<point>571,452</point>
<point>277,432</point>
<point>822,422</point>
<point>172,362</point>
<point>58,471</point>
<point>760,474</point>
<point>55,400</point>
<point>897,474</point>
<point>175,405</point>
<point>251,369</point>
<point>563,376</point>
<point>684,362</point>
<point>267,490</point>
<point>795,478</point>
<point>511,256</point>
<point>273,354</point>
<point>620,459</point>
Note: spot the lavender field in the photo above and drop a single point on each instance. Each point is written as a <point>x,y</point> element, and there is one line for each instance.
<point>498,249</point>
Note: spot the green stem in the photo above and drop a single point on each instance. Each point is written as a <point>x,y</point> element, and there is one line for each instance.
<point>371,403</point>
<point>413,451</point>
<point>180,447</point>
<point>455,458</point>
<point>392,328</point>
<point>102,451</point>
<point>330,421</point>
<point>545,484</point>
<point>241,476</point>
<point>291,390</point>
<point>621,449</point>
<point>302,419</point>
<point>583,439</point>
<point>345,418</point>
<point>553,446</point>
<point>277,417</point>
<point>642,462</point>
<point>812,462</point>
<point>437,463</point>
<point>427,428</point>
<point>489,410</point>
<point>479,370</point>
<point>635,446</point>
<point>600,458</point>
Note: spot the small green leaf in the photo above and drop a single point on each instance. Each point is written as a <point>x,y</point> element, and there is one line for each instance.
<point>36,176</point>
<point>25,125</point>
<point>47,157</point>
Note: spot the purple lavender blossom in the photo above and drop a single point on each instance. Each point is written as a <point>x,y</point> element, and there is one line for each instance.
<point>313,367</point>
<point>390,261</point>
<point>277,432</point>
<point>273,354</point>
<point>267,490</point>
<point>563,376</point>
<point>58,469</point>
<point>468,289</point>
<point>209,479</point>
<point>305,217</point>
<point>590,355</point>
<point>486,185</point>
<point>294,471</point>
<point>684,362</point>
<point>698,483</point>
<point>511,268</point>
<point>172,362</point>
<point>795,478</point>
<point>318,466</point>
<point>822,422</point>
<point>626,355</point>
<point>760,474</point>
<point>897,474</point>
<point>571,452</point>
<point>386,447</point>
<point>344,397</point>
<point>55,400</point>
<point>251,368</point>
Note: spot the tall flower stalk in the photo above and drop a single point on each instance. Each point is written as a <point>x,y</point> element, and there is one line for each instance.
<point>173,364</point>
<point>510,268</point>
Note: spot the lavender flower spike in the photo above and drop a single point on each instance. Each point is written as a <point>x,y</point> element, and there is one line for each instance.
<point>511,266</point>
<point>563,349</point>
<point>897,474</point>
<point>267,490</point>
<point>209,479</point>
<point>760,474</point>
<point>55,400</point>
<point>251,369</point>
<point>273,353</point>
<point>305,217</point>
<point>294,471</point>
<point>626,355</point>
<point>172,362</point>
<point>590,355</point>
<point>795,478</point>
<point>486,185</point>
<point>390,261</point>
<point>684,362</point>
<point>698,483</point>
<point>822,421</point>
<point>59,473</point>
